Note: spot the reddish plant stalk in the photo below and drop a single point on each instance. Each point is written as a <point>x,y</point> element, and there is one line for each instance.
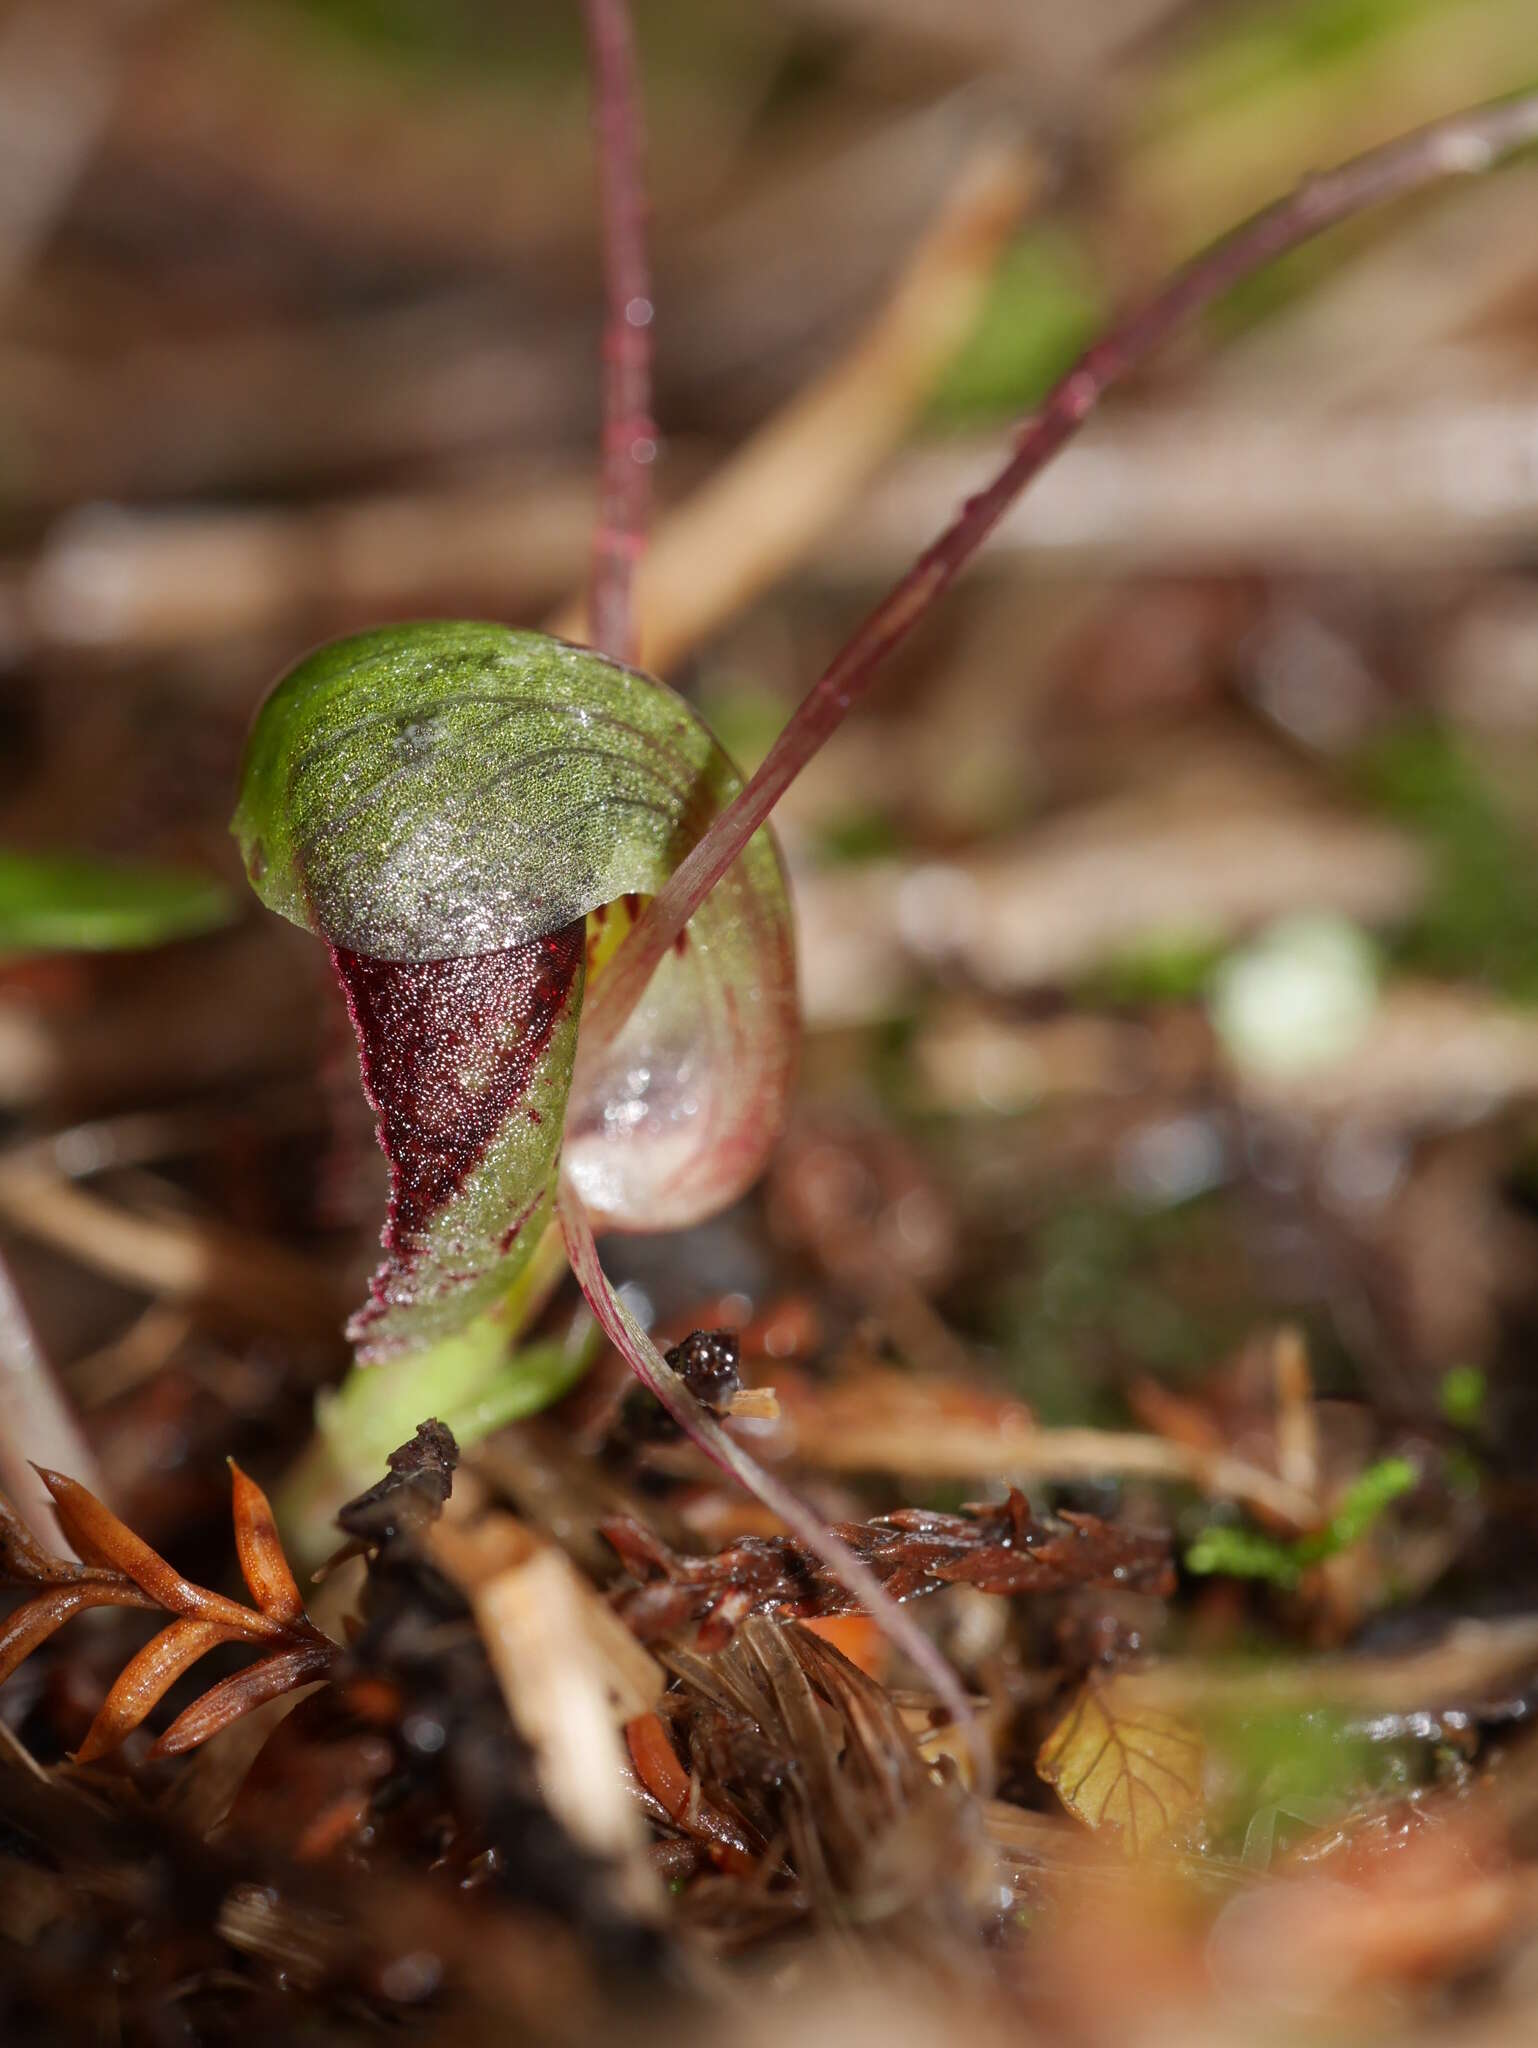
<point>697,1423</point>
<point>629,446</point>
<point>1463,144</point>
<point>629,436</point>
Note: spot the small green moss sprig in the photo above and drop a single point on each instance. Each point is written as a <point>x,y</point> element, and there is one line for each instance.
<point>1224,1550</point>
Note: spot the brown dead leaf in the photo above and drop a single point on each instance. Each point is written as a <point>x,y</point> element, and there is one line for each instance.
<point>262,1562</point>
<point>239,1694</point>
<point>103,1540</point>
<point>35,1620</point>
<point>24,1562</point>
<point>1123,1766</point>
<point>145,1680</point>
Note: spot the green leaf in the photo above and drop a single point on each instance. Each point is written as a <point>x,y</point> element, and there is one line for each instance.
<point>470,815</point>
<point>1480,917</point>
<point>66,903</point>
<point>1463,1395</point>
<point>1042,308</point>
<point>1246,1554</point>
<point>1365,1499</point>
<point>1243,1554</point>
<point>475,1383</point>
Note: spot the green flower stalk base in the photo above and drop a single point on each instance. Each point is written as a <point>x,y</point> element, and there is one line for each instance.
<point>477,1383</point>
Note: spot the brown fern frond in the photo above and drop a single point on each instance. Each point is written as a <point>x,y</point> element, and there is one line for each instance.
<point>121,1570</point>
<point>1001,1549</point>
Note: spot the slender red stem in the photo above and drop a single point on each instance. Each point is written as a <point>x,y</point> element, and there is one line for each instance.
<point>1465,143</point>
<point>629,437</point>
<point>629,448</point>
<point>858,1580</point>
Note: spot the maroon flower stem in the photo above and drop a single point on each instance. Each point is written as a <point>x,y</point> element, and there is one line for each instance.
<point>1463,144</point>
<point>629,437</point>
<point>702,1428</point>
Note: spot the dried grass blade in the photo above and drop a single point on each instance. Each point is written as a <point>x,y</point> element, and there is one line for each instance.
<point>225,1703</point>
<point>263,1564</point>
<point>146,1680</point>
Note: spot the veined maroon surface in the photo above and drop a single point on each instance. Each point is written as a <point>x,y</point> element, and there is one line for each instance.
<point>447,1048</point>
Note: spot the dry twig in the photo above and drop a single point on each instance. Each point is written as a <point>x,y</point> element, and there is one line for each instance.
<point>175,1256</point>
<point>892,1423</point>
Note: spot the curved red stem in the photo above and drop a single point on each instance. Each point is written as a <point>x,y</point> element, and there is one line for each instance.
<point>1465,143</point>
<point>702,1428</point>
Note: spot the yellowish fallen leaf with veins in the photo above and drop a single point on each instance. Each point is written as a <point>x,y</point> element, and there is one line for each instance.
<point>1123,1766</point>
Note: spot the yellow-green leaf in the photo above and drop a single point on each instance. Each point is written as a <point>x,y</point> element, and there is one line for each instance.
<point>1120,1766</point>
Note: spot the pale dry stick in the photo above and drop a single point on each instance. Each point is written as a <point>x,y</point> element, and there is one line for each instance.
<point>1466,143</point>
<point>179,1257</point>
<point>1403,480</point>
<point>771,502</point>
<point>629,435</point>
<point>1198,484</point>
<point>139,1138</point>
<point>1470,1665</point>
<point>36,1424</point>
<point>150,579</point>
<point>158,579</point>
<point>942,1448</point>
<point>702,1428</point>
<point>12,1744</point>
<point>570,1672</point>
<point>1056,902</point>
<point>1297,1423</point>
<point>137,1354</point>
